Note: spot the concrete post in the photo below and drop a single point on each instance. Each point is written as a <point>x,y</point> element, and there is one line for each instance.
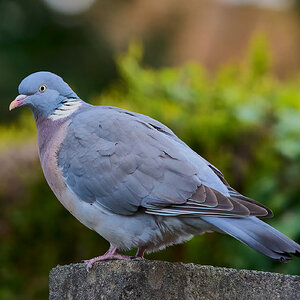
<point>163,280</point>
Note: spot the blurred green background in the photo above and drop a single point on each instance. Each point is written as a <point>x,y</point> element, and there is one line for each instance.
<point>223,76</point>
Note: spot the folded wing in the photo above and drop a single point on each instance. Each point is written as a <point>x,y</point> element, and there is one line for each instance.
<point>127,162</point>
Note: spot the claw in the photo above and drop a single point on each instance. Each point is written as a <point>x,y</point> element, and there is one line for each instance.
<point>137,258</point>
<point>109,255</point>
<point>112,253</point>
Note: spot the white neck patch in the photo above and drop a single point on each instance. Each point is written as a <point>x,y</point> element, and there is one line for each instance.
<point>66,109</point>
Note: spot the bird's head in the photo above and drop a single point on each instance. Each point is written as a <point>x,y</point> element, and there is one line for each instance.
<point>44,93</point>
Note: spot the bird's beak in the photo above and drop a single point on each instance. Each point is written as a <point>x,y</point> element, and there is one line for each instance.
<point>17,102</point>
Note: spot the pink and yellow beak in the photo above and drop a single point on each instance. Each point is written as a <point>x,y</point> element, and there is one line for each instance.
<point>17,102</point>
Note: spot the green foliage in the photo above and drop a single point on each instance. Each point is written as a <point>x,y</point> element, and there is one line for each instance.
<point>242,120</point>
<point>34,38</point>
<point>259,57</point>
<point>15,134</point>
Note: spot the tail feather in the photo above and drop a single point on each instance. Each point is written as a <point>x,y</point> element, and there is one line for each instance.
<point>258,235</point>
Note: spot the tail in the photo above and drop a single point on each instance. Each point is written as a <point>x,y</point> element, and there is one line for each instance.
<point>258,235</point>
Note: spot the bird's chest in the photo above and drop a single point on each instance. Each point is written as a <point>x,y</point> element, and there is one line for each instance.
<point>84,212</point>
<point>52,171</point>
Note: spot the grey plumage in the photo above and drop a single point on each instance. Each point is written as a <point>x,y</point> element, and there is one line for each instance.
<point>258,235</point>
<point>132,180</point>
<point>124,163</point>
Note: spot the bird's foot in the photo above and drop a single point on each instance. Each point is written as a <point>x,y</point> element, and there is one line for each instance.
<point>136,258</point>
<point>109,255</point>
<point>140,253</point>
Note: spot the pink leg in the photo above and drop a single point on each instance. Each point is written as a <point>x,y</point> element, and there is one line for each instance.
<point>140,252</point>
<point>111,253</point>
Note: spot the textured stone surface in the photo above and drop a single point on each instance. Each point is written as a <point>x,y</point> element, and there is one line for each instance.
<point>162,280</point>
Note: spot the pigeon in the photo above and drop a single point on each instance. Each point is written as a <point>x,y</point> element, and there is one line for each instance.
<point>133,181</point>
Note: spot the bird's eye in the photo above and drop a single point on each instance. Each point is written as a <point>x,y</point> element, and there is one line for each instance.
<point>42,88</point>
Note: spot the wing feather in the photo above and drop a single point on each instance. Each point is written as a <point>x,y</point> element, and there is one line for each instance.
<point>125,161</point>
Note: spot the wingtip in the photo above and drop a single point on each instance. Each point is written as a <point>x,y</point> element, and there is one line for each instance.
<point>297,253</point>
<point>282,256</point>
<point>270,213</point>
